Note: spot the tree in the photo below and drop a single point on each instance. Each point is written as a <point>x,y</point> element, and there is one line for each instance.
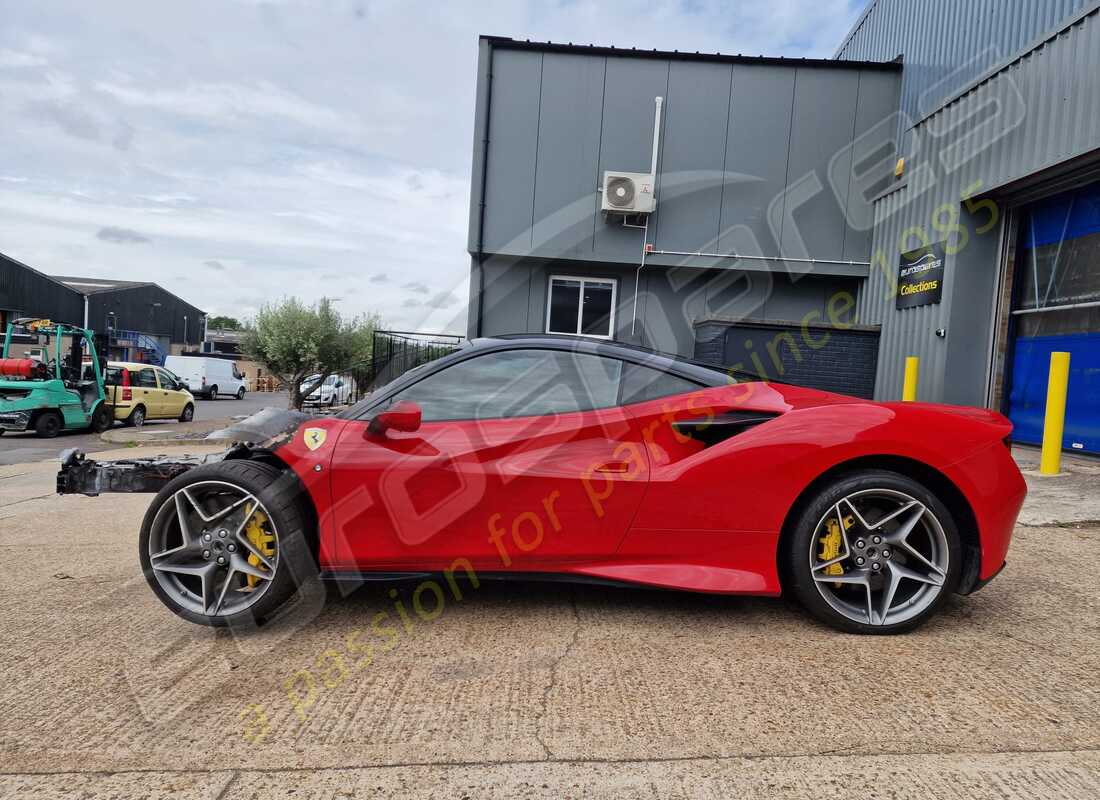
<point>294,342</point>
<point>223,324</point>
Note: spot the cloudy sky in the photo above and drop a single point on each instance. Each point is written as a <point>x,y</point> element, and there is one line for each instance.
<point>237,152</point>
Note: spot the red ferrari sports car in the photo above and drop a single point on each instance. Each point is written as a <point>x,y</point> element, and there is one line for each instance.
<point>535,455</point>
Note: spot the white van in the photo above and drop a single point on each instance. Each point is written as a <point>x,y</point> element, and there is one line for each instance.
<point>208,377</point>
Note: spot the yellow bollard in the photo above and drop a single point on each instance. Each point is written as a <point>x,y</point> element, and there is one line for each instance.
<point>912,372</point>
<point>1055,421</point>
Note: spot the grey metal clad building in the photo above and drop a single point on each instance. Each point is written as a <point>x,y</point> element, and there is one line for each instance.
<point>754,156</point>
<point>1000,128</point>
<point>769,223</point>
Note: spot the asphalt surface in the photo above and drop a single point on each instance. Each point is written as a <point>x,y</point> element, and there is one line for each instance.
<point>21,447</point>
<point>540,690</point>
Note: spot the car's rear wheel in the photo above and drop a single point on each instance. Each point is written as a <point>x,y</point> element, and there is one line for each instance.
<point>48,424</point>
<point>874,552</point>
<point>137,417</point>
<point>212,393</point>
<point>227,543</point>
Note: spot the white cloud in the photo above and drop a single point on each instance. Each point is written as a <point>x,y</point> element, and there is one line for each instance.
<point>306,146</point>
<point>14,59</point>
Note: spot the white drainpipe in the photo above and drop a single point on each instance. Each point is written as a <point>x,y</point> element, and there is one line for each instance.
<point>658,101</point>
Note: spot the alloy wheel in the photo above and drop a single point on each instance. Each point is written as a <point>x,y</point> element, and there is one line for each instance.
<point>213,548</point>
<point>879,557</point>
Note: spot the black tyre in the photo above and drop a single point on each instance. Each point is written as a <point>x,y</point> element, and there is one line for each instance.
<point>188,413</point>
<point>102,418</point>
<point>137,417</point>
<point>48,424</point>
<point>245,551</point>
<point>873,552</point>
<point>212,394</point>
<point>240,393</point>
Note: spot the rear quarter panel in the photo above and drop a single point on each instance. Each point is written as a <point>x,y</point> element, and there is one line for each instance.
<point>743,488</point>
<point>750,481</point>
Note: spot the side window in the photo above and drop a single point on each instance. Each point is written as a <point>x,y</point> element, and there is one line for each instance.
<point>517,383</point>
<point>168,379</point>
<point>582,306</point>
<point>147,378</point>
<point>644,383</point>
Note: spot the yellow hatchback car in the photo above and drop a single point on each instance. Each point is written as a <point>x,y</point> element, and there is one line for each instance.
<point>142,391</point>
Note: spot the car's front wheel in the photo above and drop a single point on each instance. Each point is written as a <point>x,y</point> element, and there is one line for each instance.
<point>227,543</point>
<point>188,413</point>
<point>874,552</point>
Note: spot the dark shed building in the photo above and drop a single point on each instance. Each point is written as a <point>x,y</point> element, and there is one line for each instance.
<point>26,292</point>
<point>144,322</point>
<point>139,306</point>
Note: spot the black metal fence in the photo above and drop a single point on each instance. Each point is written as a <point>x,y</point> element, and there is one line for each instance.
<point>393,353</point>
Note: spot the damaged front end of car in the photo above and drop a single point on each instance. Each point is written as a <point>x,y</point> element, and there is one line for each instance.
<point>262,433</point>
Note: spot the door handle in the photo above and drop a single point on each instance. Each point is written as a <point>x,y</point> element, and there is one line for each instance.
<point>613,466</point>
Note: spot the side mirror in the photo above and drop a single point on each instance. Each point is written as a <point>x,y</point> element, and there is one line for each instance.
<point>403,415</point>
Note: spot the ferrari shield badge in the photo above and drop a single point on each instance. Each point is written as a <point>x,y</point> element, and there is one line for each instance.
<point>314,437</point>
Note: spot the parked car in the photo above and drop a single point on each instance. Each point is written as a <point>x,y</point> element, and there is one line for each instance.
<point>209,377</point>
<point>139,392</point>
<point>539,454</point>
<point>335,390</point>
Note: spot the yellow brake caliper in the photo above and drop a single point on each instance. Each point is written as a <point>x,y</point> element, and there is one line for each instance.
<point>830,544</point>
<point>261,540</point>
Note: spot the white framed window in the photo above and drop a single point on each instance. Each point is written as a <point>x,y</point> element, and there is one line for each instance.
<point>581,306</point>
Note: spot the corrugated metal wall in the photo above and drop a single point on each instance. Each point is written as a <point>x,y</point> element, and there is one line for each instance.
<point>946,44</point>
<point>149,309</point>
<point>1039,111</point>
<point>27,292</point>
<point>735,133</point>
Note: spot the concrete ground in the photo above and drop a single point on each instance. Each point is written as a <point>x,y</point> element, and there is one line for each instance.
<point>541,690</point>
<point>16,448</point>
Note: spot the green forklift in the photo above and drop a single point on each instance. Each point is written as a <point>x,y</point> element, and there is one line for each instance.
<point>53,394</point>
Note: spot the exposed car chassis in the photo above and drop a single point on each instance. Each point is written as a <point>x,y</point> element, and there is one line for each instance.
<point>81,475</point>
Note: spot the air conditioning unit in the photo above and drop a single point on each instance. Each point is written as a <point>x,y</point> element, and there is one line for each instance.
<point>628,193</point>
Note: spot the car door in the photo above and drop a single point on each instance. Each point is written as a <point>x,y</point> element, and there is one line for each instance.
<point>524,459</point>
<point>172,399</point>
<point>147,392</point>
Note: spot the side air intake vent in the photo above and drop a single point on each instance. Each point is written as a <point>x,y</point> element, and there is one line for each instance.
<point>723,426</point>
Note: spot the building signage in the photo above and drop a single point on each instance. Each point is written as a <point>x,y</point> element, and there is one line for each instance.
<point>920,276</point>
